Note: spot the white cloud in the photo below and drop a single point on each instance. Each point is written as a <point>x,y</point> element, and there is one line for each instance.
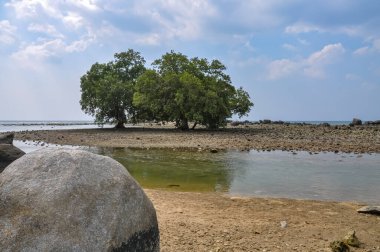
<point>33,55</point>
<point>374,47</point>
<point>351,30</point>
<point>79,45</point>
<point>32,8</point>
<point>174,19</point>
<point>328,54</point>
<point>289,47</point>
<point>301,27</point>
<point>84,4</point>
<point>54,9</point>
<point>281,68</point>
<point>149,39</point>
<point>73,20</point>
<point>243,41</point>
<point>257,14</point>
<point>361,51</point>
<point>7,32</point>
<point>304,27</point>
<point>312,66</point>
<point>48,29</point>
<point>317,61</point>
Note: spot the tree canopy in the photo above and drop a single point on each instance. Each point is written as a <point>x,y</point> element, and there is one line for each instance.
<point>107,89</point>
<point>189,90</point>
<point>176,89</point>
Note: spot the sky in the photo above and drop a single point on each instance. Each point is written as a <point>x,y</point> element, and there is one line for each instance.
<point>298,60</point>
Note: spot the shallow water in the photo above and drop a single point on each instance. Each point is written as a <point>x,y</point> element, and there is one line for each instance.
<point>324,176</point>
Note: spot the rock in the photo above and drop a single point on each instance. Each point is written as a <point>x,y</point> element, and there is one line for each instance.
<point>356,122</point>
<point>370,210</point>
<point>214,151</point>
<point>372,122</point>
<point>8,152</point>
<point>266,121</point>
<point>325,124</point>
<point>351,239</point>
<point>6,138</point>
<point>283,224</point>
<point>235,123</point>
<point>339,246</point>
<point>72,200</point>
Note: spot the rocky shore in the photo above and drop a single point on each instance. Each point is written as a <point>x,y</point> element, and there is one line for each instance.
<point>266,137</point>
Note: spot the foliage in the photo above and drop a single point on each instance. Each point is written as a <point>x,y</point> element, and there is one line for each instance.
<point>107,89</point>
<point>189,90</point>
<point>176,89</point>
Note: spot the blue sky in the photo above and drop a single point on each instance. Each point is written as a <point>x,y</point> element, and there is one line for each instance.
<point>299,60</point>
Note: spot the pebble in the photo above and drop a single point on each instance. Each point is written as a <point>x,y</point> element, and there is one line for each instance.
<point>283,224</point>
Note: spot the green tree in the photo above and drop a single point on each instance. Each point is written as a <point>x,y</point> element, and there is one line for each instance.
<point>107,89</point>
<point>189,90</point>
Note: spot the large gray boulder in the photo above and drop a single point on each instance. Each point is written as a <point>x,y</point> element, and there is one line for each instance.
<point>8,152</point>
<point>72,200</point>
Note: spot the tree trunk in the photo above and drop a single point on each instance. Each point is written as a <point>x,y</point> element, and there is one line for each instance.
<point>195,124</point>
<point>182,124</point>
<point>120,125</point>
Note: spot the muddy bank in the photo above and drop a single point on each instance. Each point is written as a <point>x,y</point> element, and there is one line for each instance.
<point>312,138</point>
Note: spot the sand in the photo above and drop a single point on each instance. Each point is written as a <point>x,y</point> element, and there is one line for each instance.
<point>215,222</point>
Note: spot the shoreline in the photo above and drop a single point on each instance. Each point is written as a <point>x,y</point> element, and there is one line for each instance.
<point>262,137</point>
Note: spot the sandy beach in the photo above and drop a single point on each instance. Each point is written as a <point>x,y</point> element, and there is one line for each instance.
<point>217,222</point>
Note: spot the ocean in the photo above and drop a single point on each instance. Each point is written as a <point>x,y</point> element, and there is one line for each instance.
<point>7,126</point>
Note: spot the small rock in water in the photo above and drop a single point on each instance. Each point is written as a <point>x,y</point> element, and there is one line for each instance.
<point>214,151</point>
<point>173,185</point>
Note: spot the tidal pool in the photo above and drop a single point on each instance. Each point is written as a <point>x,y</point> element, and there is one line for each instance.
<point>323,176</point>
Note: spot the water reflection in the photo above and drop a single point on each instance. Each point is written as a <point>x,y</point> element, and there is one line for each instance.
<point>174,169</point>
<point>324,176</point>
